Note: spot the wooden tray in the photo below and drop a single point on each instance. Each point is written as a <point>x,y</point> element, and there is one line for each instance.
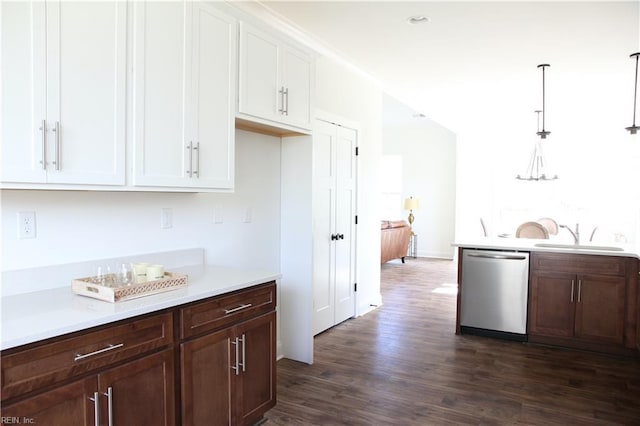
<point>88,287</point>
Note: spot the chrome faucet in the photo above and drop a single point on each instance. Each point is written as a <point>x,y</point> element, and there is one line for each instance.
<point>576,235</point>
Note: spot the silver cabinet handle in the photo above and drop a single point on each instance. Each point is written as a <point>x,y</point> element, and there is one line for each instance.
<point>43,128</point>
<point>239,308</point>
<point>109,396</point>
<point>197,169</point>
<point>96,408</point>
<point>579,290</point>
<point>236,367</point>
<point>190,148</point>
<point>244,356</point>
<point>79,357</point>
<point>56,160</point>
<point>286,97</point>
<point>573,282</point>
<point>281,110</point>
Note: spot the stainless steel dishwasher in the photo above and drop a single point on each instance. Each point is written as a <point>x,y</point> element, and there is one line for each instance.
<point>493,292</point>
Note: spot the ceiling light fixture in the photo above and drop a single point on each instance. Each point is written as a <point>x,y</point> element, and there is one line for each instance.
<point>417,19</point>
<point>634,129</point>
<point>536,168</point>
<point>544,133</point>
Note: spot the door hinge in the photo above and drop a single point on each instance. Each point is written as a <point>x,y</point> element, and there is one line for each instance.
<point>357,151</point>
<point>355,286</point>
<point>356,218</point>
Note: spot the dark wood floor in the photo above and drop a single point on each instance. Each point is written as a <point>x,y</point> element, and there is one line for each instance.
<point>402,364</point>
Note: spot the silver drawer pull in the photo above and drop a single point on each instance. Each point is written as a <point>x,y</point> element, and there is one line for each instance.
<point>96,407</point>
<point>99,351</point>
<point>239,308</point>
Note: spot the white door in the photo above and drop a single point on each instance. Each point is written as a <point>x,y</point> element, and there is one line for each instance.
<point>297,80</point>
<point>86,89</point>
<point>23,91</point>
<point>334,207</point>
<point>213,97</point>
<point>259,84</point>
<point>161,66</point>
<point>63,92</point>
<point>324,183</point>
<point>345,251</point>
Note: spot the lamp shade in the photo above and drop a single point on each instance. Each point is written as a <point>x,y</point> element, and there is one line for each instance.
<point>411,203</point>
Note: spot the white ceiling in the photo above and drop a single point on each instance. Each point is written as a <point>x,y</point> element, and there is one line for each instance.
<point>474,60</point>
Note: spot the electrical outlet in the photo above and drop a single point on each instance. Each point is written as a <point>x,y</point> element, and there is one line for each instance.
<point>26,225</point>
<point>166,218</point>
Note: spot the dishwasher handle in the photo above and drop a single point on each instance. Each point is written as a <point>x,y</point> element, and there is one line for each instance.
<point>498,256</point>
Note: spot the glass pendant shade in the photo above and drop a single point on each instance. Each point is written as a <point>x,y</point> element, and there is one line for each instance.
<point>536,168</point>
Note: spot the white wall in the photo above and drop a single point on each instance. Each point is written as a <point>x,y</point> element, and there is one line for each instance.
<point>76,226</point>
<point>428,152</point>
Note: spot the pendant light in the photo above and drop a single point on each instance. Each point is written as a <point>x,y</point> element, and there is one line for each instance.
<point>536,168</point>
<point>544,133</point>
<point>633,129</point>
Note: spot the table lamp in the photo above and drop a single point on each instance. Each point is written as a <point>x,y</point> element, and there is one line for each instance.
<point>411,204</point>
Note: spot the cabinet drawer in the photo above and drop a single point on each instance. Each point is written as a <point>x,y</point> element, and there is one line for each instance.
<point>63,358</point>
<point>225,310</point>
<point>579,263</point>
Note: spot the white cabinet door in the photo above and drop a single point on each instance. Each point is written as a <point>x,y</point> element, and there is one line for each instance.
<point>161,65</point>
<point>64,68</point>
<point>23,91</point>
<point>259,82</point>
<point>275,82</point>
<point>86,83</point>
<point>334,207</point>
<point>213,97</point>
<point>184,95</point>
<point>297,79</point>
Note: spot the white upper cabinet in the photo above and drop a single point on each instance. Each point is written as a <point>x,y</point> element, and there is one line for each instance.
<point>275,81</point>
<point>63,92</point>
<point>213,97</point>
<point>184,95</point>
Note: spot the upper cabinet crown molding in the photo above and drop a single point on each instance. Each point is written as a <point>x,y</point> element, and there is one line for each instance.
<point>275,83</point>
<point>59,126</point>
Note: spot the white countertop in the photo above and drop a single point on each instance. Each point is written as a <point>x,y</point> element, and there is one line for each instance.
<point>30,317</point>
<point>525,244</point>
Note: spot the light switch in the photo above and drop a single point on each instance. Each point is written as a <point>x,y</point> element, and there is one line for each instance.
<point>248,213</point>
<point>166,218</point>
<point>217,215</point>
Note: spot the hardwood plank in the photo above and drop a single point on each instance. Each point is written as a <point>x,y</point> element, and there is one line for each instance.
<point>404,364</point>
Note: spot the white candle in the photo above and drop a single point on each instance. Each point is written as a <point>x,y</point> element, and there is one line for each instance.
<point>155,272</point>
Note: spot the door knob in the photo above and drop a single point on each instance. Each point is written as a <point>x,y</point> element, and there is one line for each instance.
<point>340,236</point>
<point>334,237</point>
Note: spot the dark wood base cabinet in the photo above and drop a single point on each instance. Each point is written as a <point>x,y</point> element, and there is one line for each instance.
<point>582,301</point>
<point>139,392</point>
<point>228,375</point>
<point>126,374</point>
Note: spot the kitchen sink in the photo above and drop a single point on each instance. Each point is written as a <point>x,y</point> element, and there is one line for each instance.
<point>579,247</point>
